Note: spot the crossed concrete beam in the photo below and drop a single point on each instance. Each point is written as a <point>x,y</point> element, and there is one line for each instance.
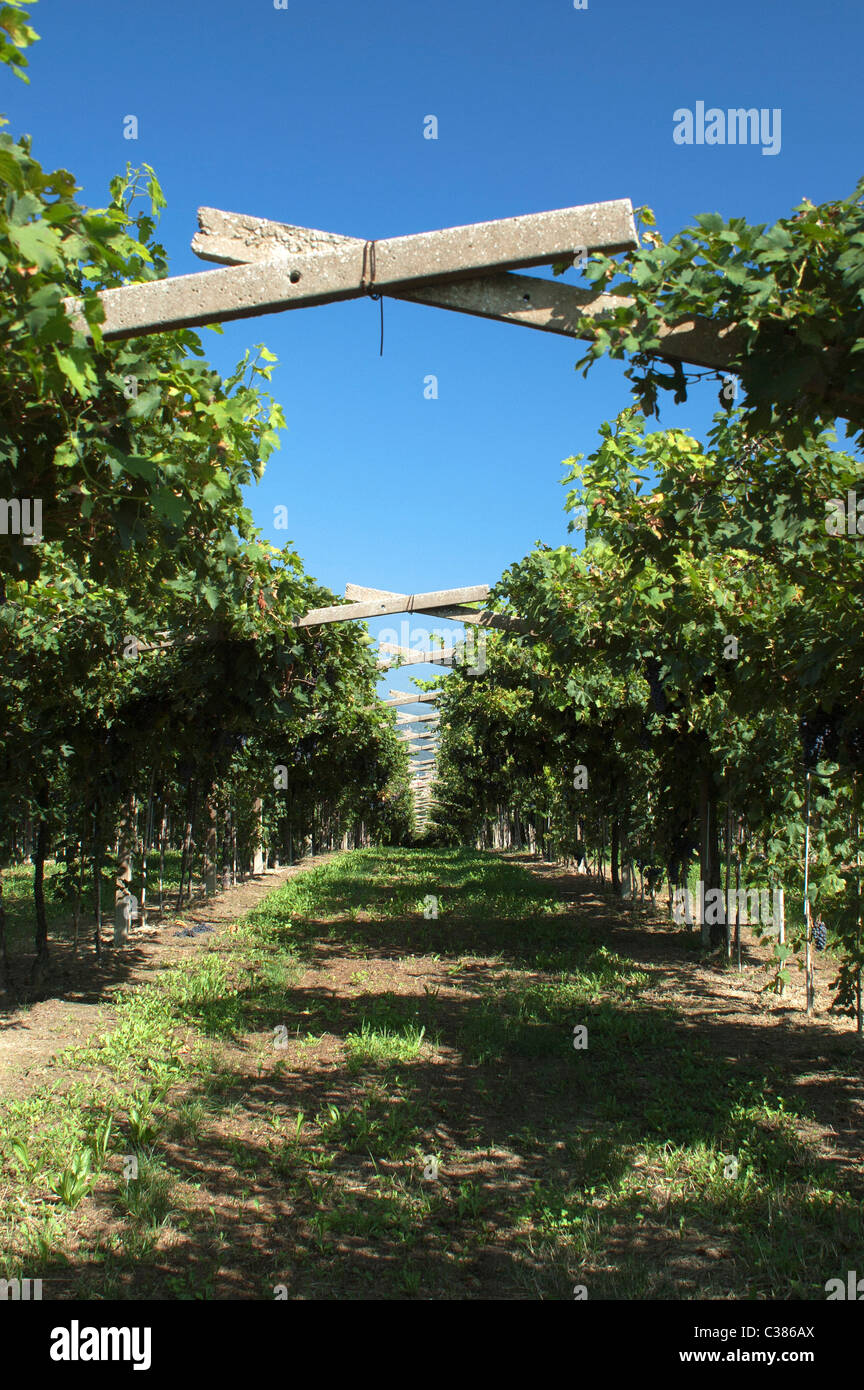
<point>273,266</point>
<point>377,603</point>
<point>406,656</point>
<point>268,267</point>
<point>401,697</point>
<point>438,605</point>
<point>550,306</point>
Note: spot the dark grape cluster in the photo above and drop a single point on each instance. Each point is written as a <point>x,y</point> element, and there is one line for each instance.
<point>818,737</point>
<point>834,737</point>
<point>820,935</point>
<point>658,694</point>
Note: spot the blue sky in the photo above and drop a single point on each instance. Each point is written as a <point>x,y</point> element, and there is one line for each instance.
<point>314,115</point>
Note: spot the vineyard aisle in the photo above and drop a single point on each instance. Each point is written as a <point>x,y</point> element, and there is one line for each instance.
<point>441,1074</point>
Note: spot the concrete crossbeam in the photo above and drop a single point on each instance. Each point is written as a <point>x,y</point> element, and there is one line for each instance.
<point>400,697</point>
<point>406,656</point>
<point>394,603</point>
<point>323,269</point>
<point>456,612</point>
<point>553,306</point>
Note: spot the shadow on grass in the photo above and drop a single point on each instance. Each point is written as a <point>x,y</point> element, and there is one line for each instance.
<point>607,1165</point>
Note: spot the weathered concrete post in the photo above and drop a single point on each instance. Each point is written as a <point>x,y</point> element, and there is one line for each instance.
<point>258,859</point>
<point>210,844</point>
<point>124,903</point>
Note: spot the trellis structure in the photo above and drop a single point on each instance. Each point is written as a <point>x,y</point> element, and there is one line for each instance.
<point>271,266</point>
<point>399,697</point>
<point>361,603</point>
<point>267,267</point>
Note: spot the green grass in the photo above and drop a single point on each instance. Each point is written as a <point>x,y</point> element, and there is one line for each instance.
<point>60,898</point>
<point>308,1163</point>
<point>377,1043</point>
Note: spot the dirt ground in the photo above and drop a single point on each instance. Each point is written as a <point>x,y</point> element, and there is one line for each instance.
<point>80,996</point>
<point>248,1224</point>
<point>739,1015</point>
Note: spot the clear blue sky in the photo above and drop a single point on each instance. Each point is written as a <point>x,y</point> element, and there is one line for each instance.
<point>314,115</point>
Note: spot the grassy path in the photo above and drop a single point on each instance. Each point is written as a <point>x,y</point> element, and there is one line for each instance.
<point>342,1098</point>
<point>77,998</point>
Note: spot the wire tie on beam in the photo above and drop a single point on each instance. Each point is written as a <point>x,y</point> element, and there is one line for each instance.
<point>367,283</point>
